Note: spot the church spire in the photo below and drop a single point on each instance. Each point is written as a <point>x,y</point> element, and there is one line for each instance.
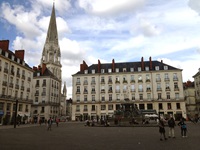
<point>51,51</point>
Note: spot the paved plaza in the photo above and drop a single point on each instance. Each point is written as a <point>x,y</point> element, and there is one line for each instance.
<point>75,136</point>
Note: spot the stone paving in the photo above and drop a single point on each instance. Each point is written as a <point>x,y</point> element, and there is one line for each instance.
<point>76,136</point>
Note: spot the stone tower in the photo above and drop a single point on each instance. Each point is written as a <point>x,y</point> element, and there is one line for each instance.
<point>51,55</point>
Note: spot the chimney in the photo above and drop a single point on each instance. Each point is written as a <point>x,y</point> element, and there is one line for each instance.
<point>142,63</point>
<point>34,68</point>
<point>161,61</point>
<point>150,64</point>
<point>19,54</point>
<point>43,68</point>
<point>113,65</point>
<point>39,67</point>
<point>99,66</point>
<point>4,45</point>
<point>83,66</point>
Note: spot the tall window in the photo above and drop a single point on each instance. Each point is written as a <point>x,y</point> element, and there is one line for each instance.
<point>141,96</point>
<point>118,97</point>
<point>102,97</point>
<point>159,96</point>
<point>85,98</point>
<point>93,98</point>
<point>103,107</point>
<point>133,97</point>
<point>168,95</point>
<point>176,96</point>
<point>110,97</point>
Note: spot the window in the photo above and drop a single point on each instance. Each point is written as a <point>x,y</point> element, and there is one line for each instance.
<point>93,80</point>
<point>77,108</point>
<point>141,96</point>
<point>167,86</point>
<point>175,78</point>
<point>148,96</point>
<point>85,80</point>
<point>86,71</point>
<point>93,98</point>
<point>156,67</point>
<point>166,77</point>
<point>117,89</point>
<point>124,69</point>
<point>8,107</point>
<point>117,70</point>
<point>110,107</point>
<point>110,97</point>
<point>140,88</point>
<point>139,78</point>
<point>141,106</point>
<point>160,106</point>
<point>102,97</point>
<point>139,69</point>
<point>85,89</point>
<point>93,107</point>
<point>109,79</point>
<point>93,71</point>
<point>109,70</point>
<point>132,78</point>
<point>117,79</point>
<point>102,80</point>
<point>20,107</point>
<point>85,108</point>
<point>102,71</point>
<point>78,81</point>
<point>102,88</point>
<point>168,95</point>
<point>149,106</point>
<point>178,106</point>
<point>132,69</point>
<point>176,96</point>
<point>147,68</point>
<point>85,98</point>
<point>103,107</point>
<point>133,97</point>
<point>118,97</point>
<point>169,106</point>
<point>78,98</point>
<point>158,87</point>
<point>159,96</point>
<point>93,89</point>
<point>78,89</point>
<point>124,79</point>
<point>175,85</point>
<point>2,105</point>
<point>165,67</point>
<point>109,88</point>
<point>132,88</point>
<point>158,79</point>
<point>125,88</point>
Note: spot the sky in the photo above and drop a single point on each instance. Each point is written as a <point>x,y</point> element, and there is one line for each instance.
<point>123,30</point>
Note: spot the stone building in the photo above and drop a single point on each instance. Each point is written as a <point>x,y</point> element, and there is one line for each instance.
<point>101,89</point>
<point>15,84</point>
<point>197,90</point>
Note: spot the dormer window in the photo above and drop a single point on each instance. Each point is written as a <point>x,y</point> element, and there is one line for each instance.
<point>139,69</point>
<point>147,68</point>
<point>132,69</point>
<point>38,74</point>
<point>102,71</point>
<point>165,67</point>
<point>157,68</point>
<point>117,70</point>
<point>109,70</point>
<point>93,71</point>
<point>6,54</point>
<point>124,69</point>
<point>13,57</point>
<point>86,71</point>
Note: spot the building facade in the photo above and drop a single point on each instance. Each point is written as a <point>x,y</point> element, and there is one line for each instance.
<point>189,93</point>
<point>15,85</point>
<point>100,89</point>
<point>197,90</point>
<point>47,80</point>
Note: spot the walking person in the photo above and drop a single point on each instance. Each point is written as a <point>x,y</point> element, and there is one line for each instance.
<point>57,121</point>
<point>49,123</point>
<point>162,129</point>
<point>183,126</point>
<point>171,124</point>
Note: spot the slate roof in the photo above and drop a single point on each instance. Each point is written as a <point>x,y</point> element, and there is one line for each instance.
<point>128,66</point>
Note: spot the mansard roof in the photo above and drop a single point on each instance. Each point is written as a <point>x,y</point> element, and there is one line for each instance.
<point>128,65</point>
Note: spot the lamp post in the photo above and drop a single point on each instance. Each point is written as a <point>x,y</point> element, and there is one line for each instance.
<point>15,119</point>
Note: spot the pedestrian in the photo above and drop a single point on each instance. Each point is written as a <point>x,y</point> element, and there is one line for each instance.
<point>183,126</point>
<point>49,123</point>
<point>57,121</point>
<point>162,129</point>
<point>171,124</point>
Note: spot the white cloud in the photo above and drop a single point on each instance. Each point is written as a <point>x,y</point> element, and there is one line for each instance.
<point>111,7</point>
<point>195,5</point>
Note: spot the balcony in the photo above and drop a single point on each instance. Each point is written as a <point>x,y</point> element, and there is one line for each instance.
<point>117,91</point>
<point>167,79</point>
<point>12,72</point>
<point>176,88</point>
<point>78,83</point>
<point>102,90</point>
<point>85,109</point>
<point>148,90</point>
<point>78,92</point>
<point>43,93</point>
<point>167,89</point>
<point>140,81</point>
<point>109,81</point>
<point>132,90</point>
<point>37,94</point>
<point>102,81</point>
<point>140,90</point>
<point>4,83</point>
<point>93,82</point>
<point>158,79</point>
<point>93,92</point>
<point>85,92</point>
<point>110,91</point>
<point>23,77</point>
<point>175,79</point>
<point>18,75</point>
<point>77,110</point>
<point>147,80</point>
<point>132,81</point>
<point>125,81</point>
<point>16,86</point>
<point>22,88</point>
<point>37,85</point>
<point>11,85</point>
<point>85,83</point>
<point>29,78</point>
<point>5,70</point>
<point>28,89</point>
<point>117,82</point>
<point>159,89</point>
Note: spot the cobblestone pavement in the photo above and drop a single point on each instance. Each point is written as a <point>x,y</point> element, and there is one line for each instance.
<point>75,136</point>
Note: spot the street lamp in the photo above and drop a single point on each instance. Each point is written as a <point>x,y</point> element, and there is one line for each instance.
<point>15,120</point>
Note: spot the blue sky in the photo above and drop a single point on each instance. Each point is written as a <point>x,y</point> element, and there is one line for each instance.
<point>124,30</point>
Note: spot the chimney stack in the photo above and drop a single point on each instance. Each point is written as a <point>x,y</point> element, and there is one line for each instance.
<point>43,68</point>
<point>4,45</point>
<point>150,64</point>
<point>113,65</point>
<point>19,54</point>
<point>99,66</point>
<point>142,63</point>
<point>83,66</point>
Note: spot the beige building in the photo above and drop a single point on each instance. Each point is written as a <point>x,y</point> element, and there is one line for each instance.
<point>100,89</point>
<point>47,80</point>
<point>197,89</point>
<point>15,84</point>
<point>189,93</point>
